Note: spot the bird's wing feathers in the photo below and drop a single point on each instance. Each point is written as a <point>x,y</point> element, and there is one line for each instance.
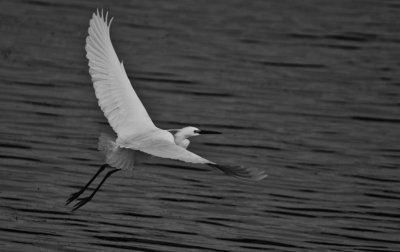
<point>124,110</point>
<point>117,99</point>
<point>240,171</point>
<point>173,151</point>
<point>160,143</point>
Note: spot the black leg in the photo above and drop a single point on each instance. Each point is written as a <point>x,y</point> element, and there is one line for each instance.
<point>74,196</point>
<point>83,201</point>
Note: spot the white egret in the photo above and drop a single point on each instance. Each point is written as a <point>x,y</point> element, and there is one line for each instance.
<point>137,136</point>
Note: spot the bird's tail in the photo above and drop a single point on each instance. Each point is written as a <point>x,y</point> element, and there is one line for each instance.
<point>242,172</point>
<point>117,157</point>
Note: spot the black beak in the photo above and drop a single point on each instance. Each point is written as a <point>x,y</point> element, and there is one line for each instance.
<point>202,132</point>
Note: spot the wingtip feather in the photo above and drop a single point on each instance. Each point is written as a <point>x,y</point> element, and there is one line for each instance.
<point>241,172</point>
<point>99,16</point>
<point>109,23</point>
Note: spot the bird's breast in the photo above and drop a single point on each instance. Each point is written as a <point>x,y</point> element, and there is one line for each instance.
<point>184,143</point>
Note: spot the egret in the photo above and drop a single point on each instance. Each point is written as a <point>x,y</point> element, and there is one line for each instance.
<point>137,136</point>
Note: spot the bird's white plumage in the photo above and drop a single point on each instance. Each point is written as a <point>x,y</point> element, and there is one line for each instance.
<point>127,115</point>
<point>117,99</point>
<point>119,102</point>
<point>122,158</point>
<point>160,143</point>
<point>171,150</point>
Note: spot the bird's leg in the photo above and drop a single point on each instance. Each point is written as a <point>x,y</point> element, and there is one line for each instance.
<point>83,201</point>
<point>75,195</point>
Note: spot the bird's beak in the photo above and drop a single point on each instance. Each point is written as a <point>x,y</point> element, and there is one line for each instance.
<point>202,132</point>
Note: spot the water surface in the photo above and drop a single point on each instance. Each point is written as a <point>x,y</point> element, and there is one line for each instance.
<point>308,91</point>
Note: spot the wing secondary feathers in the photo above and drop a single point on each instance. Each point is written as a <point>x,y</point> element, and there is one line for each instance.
<point>166,149</point>
<point>117,99</point>
<point>160,143</point>
<point>173,151</point>
<point>126,113</point>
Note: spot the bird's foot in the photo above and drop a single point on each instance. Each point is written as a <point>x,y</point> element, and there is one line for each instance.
<point>73,197</point>
<point>82,202</point>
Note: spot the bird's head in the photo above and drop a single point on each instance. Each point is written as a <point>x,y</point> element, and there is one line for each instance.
<point>193,131</point>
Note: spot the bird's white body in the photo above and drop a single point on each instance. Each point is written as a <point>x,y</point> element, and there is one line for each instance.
<point>137,136</point>
<point>121,158</point>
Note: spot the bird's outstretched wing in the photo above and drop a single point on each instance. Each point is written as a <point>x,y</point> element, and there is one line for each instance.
<point>117,99</point>
<point>160,144</point>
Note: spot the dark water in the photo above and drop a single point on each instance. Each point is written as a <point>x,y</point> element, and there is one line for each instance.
<point>308,90</point>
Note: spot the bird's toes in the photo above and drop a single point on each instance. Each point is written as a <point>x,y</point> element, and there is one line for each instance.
<point>72,197</point>
<point>81,202</point>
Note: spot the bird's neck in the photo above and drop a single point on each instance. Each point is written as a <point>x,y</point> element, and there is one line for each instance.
<point>181,141</point>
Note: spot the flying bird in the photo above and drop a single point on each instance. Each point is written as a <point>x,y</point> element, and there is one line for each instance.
<point>137,136</point>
